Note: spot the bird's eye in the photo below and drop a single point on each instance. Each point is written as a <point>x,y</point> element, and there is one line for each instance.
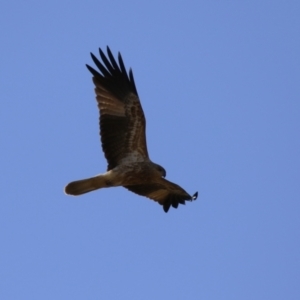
<point>162,171</point>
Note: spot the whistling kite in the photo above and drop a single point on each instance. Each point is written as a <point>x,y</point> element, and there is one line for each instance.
<point>122,129</point>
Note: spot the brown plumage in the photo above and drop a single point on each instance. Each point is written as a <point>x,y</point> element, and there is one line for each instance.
<point>123,138</point>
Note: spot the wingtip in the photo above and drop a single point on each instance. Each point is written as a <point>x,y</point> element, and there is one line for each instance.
<point>92,55</point>
<point>195,196</point>
<point>94,72</point>
<point>166,207</point>
<point>101,52</point>
<point>109,53</point>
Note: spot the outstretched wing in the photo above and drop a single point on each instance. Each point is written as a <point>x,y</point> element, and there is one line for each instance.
<point>122,120</point>
<point>166,193</point>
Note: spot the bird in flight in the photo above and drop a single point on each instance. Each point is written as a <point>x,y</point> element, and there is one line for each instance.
<point>123,138</point>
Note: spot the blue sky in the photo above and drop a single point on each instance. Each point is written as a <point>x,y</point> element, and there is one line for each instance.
<point>219,84</point>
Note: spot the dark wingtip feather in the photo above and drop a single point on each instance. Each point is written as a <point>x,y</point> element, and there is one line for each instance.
<point>175,204</point>
<point>195,196</point>
<point>175,201</point>
<point>108,51</point>
<point>122,66</point>
<point>113,75</point>
<point>112,59</point>
<point>166,207</point>
<point>131,78</point>
<point>94,72</point>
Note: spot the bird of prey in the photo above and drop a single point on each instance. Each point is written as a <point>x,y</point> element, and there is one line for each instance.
<point>123,138</point>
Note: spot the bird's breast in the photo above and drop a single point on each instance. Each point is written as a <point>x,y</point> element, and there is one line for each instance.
<point>137,173</point>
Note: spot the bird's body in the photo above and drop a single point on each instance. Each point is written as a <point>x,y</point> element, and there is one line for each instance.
<point>123,175</point>
<point>122,129</point>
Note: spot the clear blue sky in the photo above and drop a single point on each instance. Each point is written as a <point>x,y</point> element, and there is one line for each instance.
<point>219,82</point>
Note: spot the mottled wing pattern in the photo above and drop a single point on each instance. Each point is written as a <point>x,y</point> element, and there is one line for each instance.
<point>166,193</point>
<point>122,120</point>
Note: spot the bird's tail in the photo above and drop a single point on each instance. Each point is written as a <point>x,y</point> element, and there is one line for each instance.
<point>83,186</point>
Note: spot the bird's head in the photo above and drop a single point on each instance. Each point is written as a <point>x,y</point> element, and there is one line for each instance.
<point>161,170</point>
